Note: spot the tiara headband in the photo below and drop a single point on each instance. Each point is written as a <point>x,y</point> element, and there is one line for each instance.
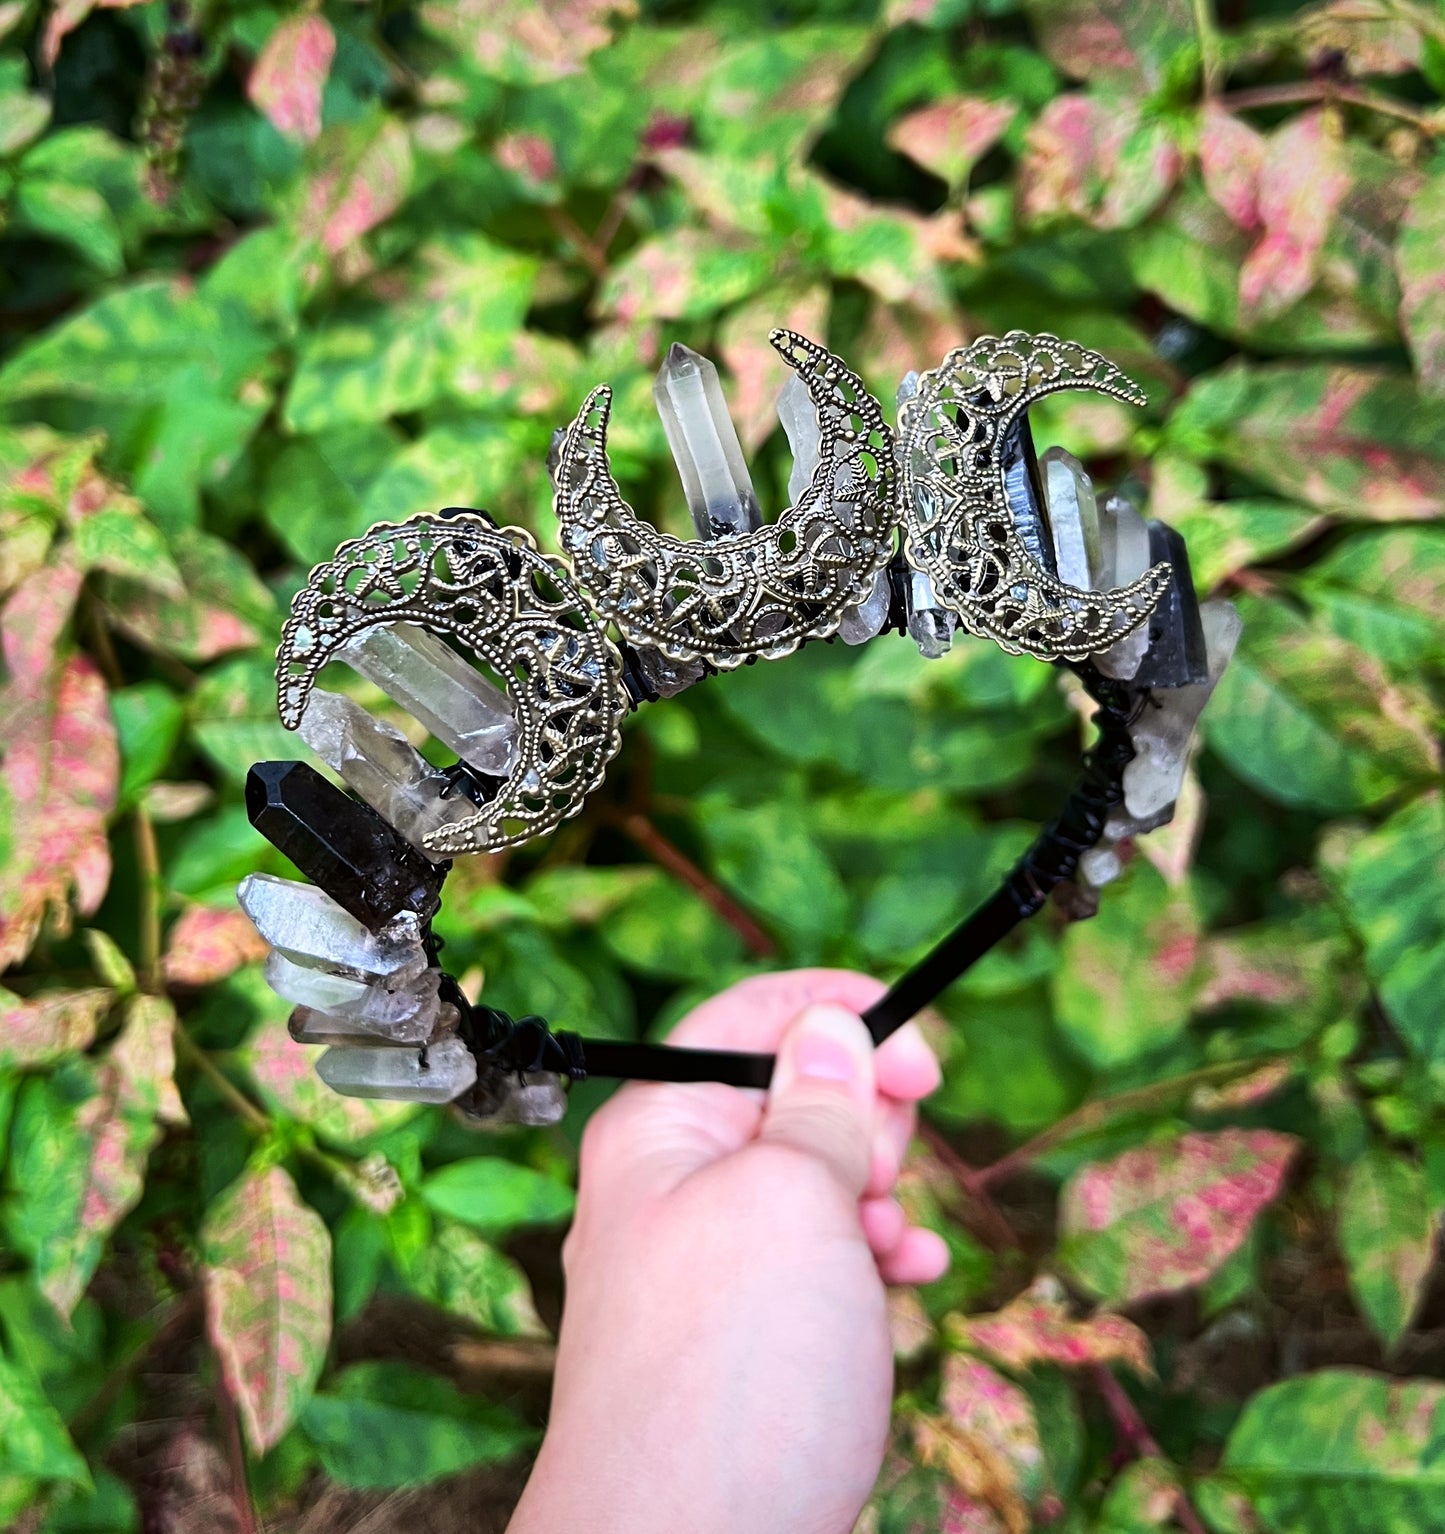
<point>993,540</point>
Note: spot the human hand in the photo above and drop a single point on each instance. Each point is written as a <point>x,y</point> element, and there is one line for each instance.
<point>724,1361</point>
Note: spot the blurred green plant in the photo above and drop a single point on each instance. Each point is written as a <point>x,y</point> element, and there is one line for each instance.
<point>270,274</point>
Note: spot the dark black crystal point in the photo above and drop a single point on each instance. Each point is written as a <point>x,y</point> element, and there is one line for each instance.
<point>1176,656</point>
<point>363,863</point>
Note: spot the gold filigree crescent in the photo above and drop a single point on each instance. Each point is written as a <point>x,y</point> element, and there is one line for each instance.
<point>740,596</point>
<point>518,611</point>
<point>959,436</point>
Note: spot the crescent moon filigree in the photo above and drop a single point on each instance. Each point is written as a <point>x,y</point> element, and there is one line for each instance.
<point>518,611</point>
<point>955,436</point>
<point>748,595</point>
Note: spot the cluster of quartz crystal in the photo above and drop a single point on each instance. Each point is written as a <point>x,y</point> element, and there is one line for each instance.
<point>1178,656</point>
<point>350,950</point>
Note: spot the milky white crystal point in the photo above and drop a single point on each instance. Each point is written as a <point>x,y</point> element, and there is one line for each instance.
<point>799,418</point>
<point>1161,734</point>
<point>437,1073</point>
<point>308,926</point>
<point>930,625</point>
<point>864,619</point>
<point>439,689</point>
<point>1124,541</point>
<point>1073,518</point>
<point>705,445</point>
<point>406,1011</point>
<point>376,761</point>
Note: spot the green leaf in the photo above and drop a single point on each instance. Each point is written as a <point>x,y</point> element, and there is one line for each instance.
<point>1393,883</point>
<point>119,540</point>
<point>1127,979</point>
<point>459,1271</point>
<point>33,1440</point>
<point>1298,715</point>
<point>233,717</point>
<point>1345,1450</point>
<point>446,340</point>
<point>383,1424</point>
<point>149,718</point>
<point>496,1195</point>
<point>1165,1216</point>
<point>663,928</point>
<point>315,490</point>
<point>1384,591</point>
<point>1387,1233</point>
<point>131,345</point>
<point>765,856</point>
<point>267,1279</point>
<point>1358,443</point>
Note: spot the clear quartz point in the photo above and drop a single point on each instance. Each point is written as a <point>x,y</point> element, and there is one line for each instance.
<point>1100,865</point>
<point>500,1099</point>
<point>406,1012</point>
<point>798,416</point>
<point>1073,519</point>
<point>307,926</point>
<point>864,619</point>
<point>930,625</point>
<point>436,1073</point>
<point>377,762</point>
<point>705,445</point>
<point>667,677</point>
<point>437,687</point>
<point>1162,733</point>
<point>1124,545</point>
<point>307,1025</point>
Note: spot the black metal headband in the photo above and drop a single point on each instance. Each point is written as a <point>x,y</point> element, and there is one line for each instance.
<point>993,540</point>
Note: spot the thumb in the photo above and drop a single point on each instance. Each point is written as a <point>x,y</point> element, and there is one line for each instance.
<point>821,1098</point>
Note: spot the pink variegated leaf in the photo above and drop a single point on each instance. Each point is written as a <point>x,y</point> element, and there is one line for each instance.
<point>1232,157</point>
<point>1302,182</point>
<point>58,784</point>
<point>267,1278</point>
<point>207,944</point>
<point>986,1440</point>
<point>357,187</point>
<point>530,158</point>
<point>1167,1215</point>
<point>1096,159</point>
<point>116,1128</point>
<point>289,74</point>
<point>1036,1328</point>
<point>759,373</point>
<point>31,624</point>
<point>50,1026</point>
<point>1422,283</point>
<point>950,137</point>
<point>285,1075</point>
<point>526,41</point>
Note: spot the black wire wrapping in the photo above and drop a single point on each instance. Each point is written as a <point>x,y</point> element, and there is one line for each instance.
<point>527,1046</point>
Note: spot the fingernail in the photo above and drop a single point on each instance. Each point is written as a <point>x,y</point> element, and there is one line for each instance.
<point>827,1043</point>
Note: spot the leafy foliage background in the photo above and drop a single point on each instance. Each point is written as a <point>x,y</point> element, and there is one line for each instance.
<point>269,274</point>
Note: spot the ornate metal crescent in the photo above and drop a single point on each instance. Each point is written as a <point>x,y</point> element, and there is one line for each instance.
<point>518,610</point>
<point>757,594</point>
<point>954,438</point>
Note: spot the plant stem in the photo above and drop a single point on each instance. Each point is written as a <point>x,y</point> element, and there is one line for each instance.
<point>257,1118</point>
<point>148,863</point>
<point>993,1224</point>
<point>1208,36</point>
<point>183,1312</point>
<point>236,1456</point>
<point>640,830</point>
<point>1300,91</point>
<point>1141,1443</point>
<point>1091,1114</point>
<point>568,229</point>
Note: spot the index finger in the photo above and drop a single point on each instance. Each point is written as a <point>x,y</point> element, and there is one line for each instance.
<point>753,1014</point>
